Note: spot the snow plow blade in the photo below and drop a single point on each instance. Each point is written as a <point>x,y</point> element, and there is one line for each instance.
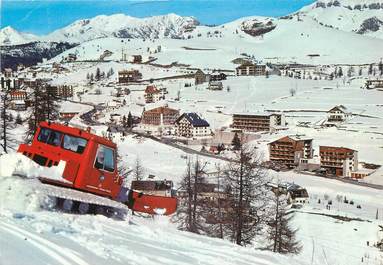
<point>151,204</point>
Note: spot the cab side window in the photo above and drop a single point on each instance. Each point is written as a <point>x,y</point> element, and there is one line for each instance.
<point>105,159</point>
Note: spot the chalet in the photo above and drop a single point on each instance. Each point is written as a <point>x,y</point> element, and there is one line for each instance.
<point>105,54</point>
<point>251,69</point>
<point>191,125</point>
<point>159,120</point>
<point>137,59</point>
<point>58,68</point>
<point>295,194</point>
<point>115,118</point>
<point>153,187</point>
<point>337,114</point>
<point>70,58</point>
<point>153,94</point>
<point>113,104</point>
<point>338,161</point>
<point>68,114</point>
<point>215,85</point>
<point>289,150</point>
<point>127,76</point>
<point>200,77</point>
<point>255,122</point>
<point>217,76</point>
<point>371,84</point>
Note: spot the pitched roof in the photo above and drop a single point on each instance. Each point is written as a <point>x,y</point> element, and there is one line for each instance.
<point>335,149</point>
<point>151,89</point>
<point>339,108</point>
<point>291,138</point>
<point>194,119</point>
<point>164,110</point>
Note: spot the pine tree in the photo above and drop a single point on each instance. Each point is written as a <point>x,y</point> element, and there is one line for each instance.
<point>282,236</point>
<point>370,68</point>
<point>50,105</point>
<point>350,71</point>
<point>380,67</point>
<point>236,142</point>
<point>97,76</point>
<point>37,113</point>
<point>18,120</point>
<point>340,72</point>
<point>248,194</point>
<point>124,121</point>
<point>360,71</point>
<point>130,120</point>
<point>138,170</point>
<point>6,125</point>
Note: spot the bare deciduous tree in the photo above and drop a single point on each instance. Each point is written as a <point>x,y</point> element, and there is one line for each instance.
<point>247,188</point>
<point>191,213</point>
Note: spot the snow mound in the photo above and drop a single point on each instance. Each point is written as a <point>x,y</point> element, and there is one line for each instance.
<point>16,193</point>
<point>18,164</point>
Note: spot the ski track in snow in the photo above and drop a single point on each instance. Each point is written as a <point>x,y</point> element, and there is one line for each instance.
<point>63,255</point>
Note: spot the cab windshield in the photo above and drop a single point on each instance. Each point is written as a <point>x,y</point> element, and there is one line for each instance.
<point>49,136</point>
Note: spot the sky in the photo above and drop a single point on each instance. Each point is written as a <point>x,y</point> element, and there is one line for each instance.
<point>42,17</point>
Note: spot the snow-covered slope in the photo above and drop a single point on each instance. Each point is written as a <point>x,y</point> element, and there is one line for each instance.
<point>57,238</point>
<point>10,36</point>
<point>120,25</point>
<point>288,40</point>
<point>360,16</point>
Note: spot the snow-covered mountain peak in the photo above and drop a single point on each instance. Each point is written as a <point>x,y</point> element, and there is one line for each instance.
<point>120,25</point>
<point>10,36</point>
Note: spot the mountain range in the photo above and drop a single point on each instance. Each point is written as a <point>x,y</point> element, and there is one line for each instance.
<point>359,16</point>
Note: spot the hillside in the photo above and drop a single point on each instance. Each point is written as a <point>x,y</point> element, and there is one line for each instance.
<point>361,16</point>
<point>285,40</point>
<point>45,234</point>
<point>30,53</point>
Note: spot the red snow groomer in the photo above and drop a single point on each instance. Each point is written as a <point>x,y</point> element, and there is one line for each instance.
<point>89,182</point>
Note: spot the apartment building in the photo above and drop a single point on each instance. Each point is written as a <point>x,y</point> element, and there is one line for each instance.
<point>289,150</point>
<point>339,161</point>
<point>191,125</point>
<point>258,122</point>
